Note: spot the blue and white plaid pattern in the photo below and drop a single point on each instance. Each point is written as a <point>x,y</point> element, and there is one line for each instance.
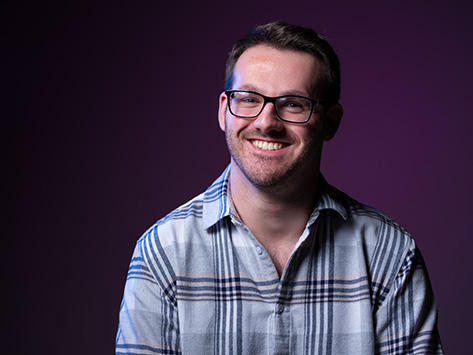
<point>200,283</point>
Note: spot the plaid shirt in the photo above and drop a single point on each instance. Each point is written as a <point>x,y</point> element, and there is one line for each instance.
<point>200,283</point>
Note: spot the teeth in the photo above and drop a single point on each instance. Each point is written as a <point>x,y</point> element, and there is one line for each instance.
<point>267,146</point>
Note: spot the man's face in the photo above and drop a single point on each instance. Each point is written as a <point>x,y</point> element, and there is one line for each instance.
<point>296,159</point>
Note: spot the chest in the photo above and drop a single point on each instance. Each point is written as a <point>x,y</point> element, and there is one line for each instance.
<point>241,297</point>
<point>279,255</point>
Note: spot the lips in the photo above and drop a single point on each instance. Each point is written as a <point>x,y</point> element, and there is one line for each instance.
<point>269,146</point>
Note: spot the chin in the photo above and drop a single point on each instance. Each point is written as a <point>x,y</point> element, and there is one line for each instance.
<point>275,179</point>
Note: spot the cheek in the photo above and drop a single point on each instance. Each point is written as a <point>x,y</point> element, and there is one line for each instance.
<point>235,126</point>
<point>317,127</point>
<point>310,137</point>
<point>306,133</point>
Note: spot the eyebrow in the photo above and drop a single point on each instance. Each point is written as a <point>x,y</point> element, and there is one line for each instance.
<point>250,87</point>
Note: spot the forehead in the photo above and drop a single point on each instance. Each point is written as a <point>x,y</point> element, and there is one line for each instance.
<point>276,71</point>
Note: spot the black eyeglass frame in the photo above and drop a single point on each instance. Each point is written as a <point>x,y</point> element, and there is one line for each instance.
<point>273,100</point>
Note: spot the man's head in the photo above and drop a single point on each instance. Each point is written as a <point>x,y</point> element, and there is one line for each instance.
<point>277,114</point>
<point>284,36</point>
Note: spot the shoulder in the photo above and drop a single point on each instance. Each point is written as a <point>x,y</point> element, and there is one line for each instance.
<point>383,244</point>
<point>364,215</point>
<point>199,213</point>
<point>187,215</point>
<point>166,246</point>
<point>380,236</point>
<point>185,234</point>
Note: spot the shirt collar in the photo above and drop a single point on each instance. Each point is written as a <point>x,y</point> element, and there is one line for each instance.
<point>217,202</point>
<point>329,198</point>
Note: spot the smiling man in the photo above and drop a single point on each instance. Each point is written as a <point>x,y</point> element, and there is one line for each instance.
<point>271,259</point>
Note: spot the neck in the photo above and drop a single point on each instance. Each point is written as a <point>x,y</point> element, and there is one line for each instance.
<point>274,214</point>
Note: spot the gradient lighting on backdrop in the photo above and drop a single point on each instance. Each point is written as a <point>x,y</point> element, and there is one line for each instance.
<point>106,136</point>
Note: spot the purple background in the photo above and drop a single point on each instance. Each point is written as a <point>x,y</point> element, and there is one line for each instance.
<point>111,122</point>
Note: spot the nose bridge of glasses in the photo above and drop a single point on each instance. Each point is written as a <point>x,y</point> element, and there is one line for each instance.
<point>272,100</point>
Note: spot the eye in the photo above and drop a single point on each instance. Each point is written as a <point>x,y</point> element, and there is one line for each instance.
<point>246,99</point>
<point>293,104</point>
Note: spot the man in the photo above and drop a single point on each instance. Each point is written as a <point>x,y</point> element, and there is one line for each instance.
<point>271,259</point>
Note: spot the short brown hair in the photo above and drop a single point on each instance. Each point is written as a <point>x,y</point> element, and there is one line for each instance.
<point>281,35</point>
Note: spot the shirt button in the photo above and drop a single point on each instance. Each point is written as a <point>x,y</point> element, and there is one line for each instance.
<point>280,308</point>
<point>259,250</point>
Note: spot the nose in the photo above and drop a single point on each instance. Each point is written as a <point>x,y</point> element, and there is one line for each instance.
<point>268,120</point>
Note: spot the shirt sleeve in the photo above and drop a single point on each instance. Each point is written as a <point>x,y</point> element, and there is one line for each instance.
<point>406,322</point>
<point>148,320</point>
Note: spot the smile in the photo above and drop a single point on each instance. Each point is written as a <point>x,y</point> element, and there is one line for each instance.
<point>267,145</point>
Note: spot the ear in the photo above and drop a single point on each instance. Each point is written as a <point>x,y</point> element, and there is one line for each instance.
<point>334,116</point>
<point>222,110</point>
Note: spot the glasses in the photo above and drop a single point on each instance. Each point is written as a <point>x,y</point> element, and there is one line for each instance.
<point>289,108</point>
